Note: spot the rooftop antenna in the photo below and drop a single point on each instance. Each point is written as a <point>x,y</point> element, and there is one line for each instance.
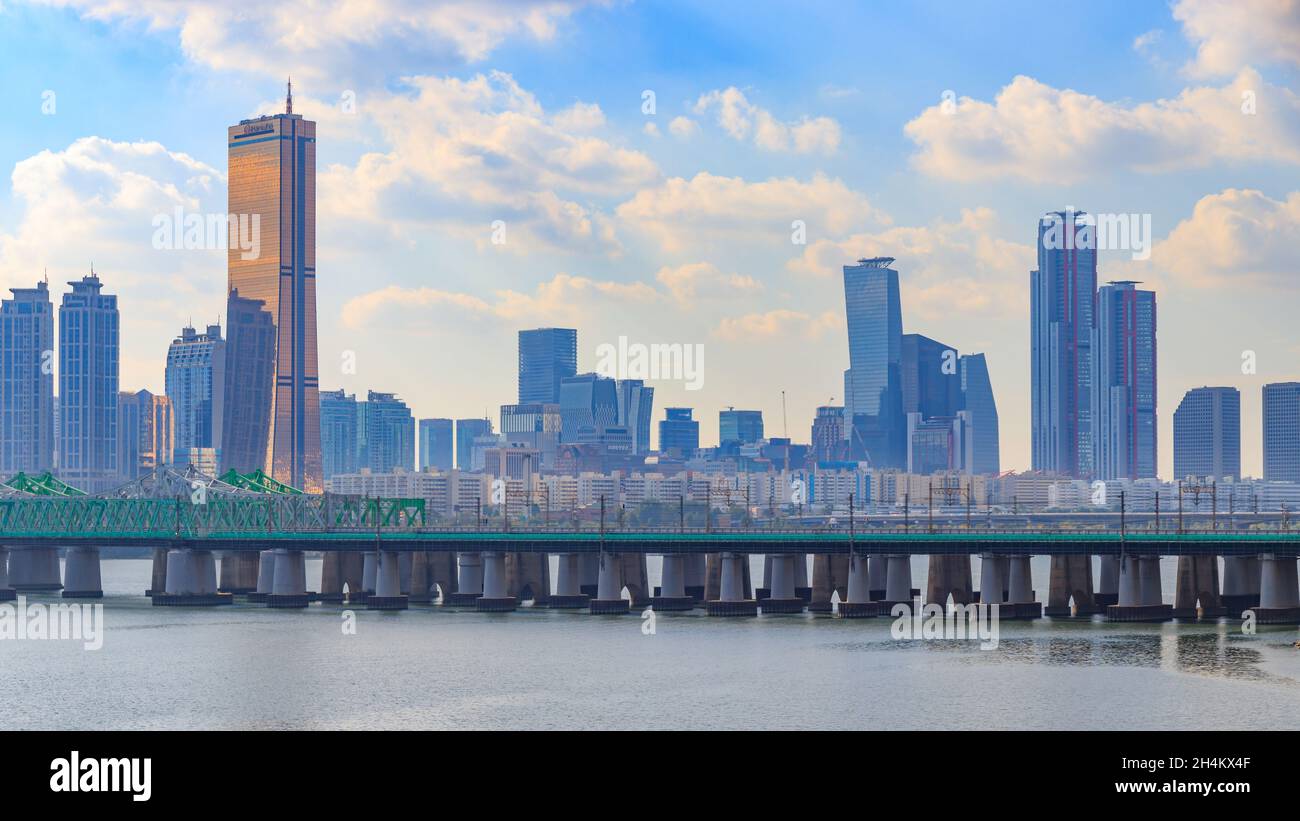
<point>785,430</point>
<point>288,100</point>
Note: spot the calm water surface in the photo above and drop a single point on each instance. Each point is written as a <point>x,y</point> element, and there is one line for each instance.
<point>245,667</point>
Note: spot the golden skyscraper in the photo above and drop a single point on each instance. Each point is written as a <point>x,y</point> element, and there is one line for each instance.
<point>272,261</point>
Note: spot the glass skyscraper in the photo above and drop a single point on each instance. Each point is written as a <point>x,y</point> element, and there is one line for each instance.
<point>1124,383</point>
<point>196,385</point>
<point>88,373</point>
<point>635,407</point>
<point>467,430</point>
<point>437,440</point>
<point>386,431</point>
<point>338,433</point>
<point>983,447</point>
<point>1207,434</point>
<point>27,431</point>
<point>873,387</point>
<point>250,365</point>
<point>679,434</point>
<point>272,182</point>
<point>146,433</point>
<point>588,407</point>
<point>546,357</point>
<point>1062,290</point>
<point>744,427</point>
<point>1282,432</point>
<point>931,382</point>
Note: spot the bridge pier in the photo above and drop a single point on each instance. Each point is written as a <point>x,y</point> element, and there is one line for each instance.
<point>993,569</point>
<point>1241,578</point>
<point>695,576</point>
<point>830,576</point>
<point>469,581</point>
<point>1071,577</point>
<point>609,589</point>
<point>732,588</point>
<point>782,597</point>
<point>568,584</point>
<point>289,583</point>
<point>1279,592</point>
<point>158,573</point>
<point>238,572</point>
<point>369,574</point>
<point>331,577</point>
<point>1108,582</point>
<point>265,576</point>
<point>590,564</point>
<point>7,593</point>
<point>765,589</point>
<point>1198,579</point>
<point>81,577</point>
<point>858,604</point>
<point>898,582</point>
<point>1140,597</point>
<point>388,583</point>
<point>529,572</point>
<point>950,575</point>
<point>1020,603</point>
<point>672,585</point>
<point>35,570</point>
<point>878,576</point>
<point>421,586</point>
<point>496,596</point>
<point>191,580</point>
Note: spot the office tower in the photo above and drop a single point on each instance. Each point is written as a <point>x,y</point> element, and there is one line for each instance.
<point>1207,434</point>
<point>196,385</point>
<point>534,426</point>
<point>873,392</point>
<point>742,427</point>
<point>467,430</point>
<point>679,434</point>
<point>1282,432</point>
<point>828,434</point>
<point>27,431</point>
<point>546,357</point>
<point>250,366</point>
<point>272,192</point>
<point>588,405</point>
<point>1062,291</point>
<point>931,382</point>
<point>983,446</point>
<point>938,443</point>
<point>1124,383</point>
<point>635,407</point>
<point>339,441</point>
<point>436,444</point>
<point>88,370</point>
<point>386,433</point>
<point>146,433</point>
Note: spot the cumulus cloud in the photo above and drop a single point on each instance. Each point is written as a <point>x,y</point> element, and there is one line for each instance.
<point>781,322</point>
<point>1042,134</point>
<point>743,120</point>
<point>1232,34</point>
<point>695,281</point>
<point>683,127</point>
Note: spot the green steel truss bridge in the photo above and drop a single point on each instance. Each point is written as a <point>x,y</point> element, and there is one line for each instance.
<point>253,512</point>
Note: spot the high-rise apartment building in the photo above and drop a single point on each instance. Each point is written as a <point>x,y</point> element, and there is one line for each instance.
<point>386,433</point>
<point>1282,432</point>
<point>1207,434</point>
<point>340,445</point>
<point>88,373</point>
<point>27,430</point>
<point>195,382</point>
<point>1123,391</point>
<point>146,433</point>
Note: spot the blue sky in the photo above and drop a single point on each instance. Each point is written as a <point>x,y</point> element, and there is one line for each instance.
<point>622,223</point>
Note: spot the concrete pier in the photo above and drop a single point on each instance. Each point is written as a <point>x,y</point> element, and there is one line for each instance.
<point>859,604</point>
<point>158,576</point>
<point>830,576</point>
<point>191,581</point>
<point>496,596</point>
<point>568,584</point>
<point>421,585</point>
<point>590,564</point>
<point>81,578</point>
<point>331,577</point>
<point>732,589</point>
<point>289,583</point>
<point>1108,582</point>
<point>1071,578</point>
<point>609,589</point>
<point>1198,583</point>
<point>695,573</point>
<point>238,572</point>
<point>672,586</point>
<point>388,583</point>
<point>528,576</point>
<point>1241,577</point>
<point>782,598</point>
<point>877,576</point>
<point>1140,597</point>
<point>950,576</point>
<point>369,574</point>
<point>7,593</point>
<point>469,582</point>
<point>1279,591</point>
<point>765,588</point>
<point>802,586</point>
<point>1020,603</point>
<point>265,576</point>
<point>898,582</point>
<point>35,570</point>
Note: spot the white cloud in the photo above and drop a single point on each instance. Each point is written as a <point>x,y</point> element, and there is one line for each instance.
<point>742,119</point>
<point>1042,134</point>
<point>781,322</point>
<point>1232,34</point>
<point>695,281</point>
<point>683,127</point>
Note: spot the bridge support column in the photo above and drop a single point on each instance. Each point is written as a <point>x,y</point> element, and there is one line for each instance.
<point>782,597</point>
<point>672,585</point>
<point>568,584</point>
<point>590,564</point>
<point>609,590</point>
<point>765,589</point>
<point>529,572</point>
<point>388,583</point>
<point>1020,603</point>
<point>898,582</point>
<point>331,577</point>
<point>421,584</point>
<point>369,574</point>
<point>191,580</point>
<point>1279,591</point>
<point>1140,596</point>
<point>950,575</point>
<point>496,596</point>
<point>36,570</point>
<point>732,590</point>
<point>992,578</point>
<point>1241,577</point>
<point>443,572</point>
<point>289,584</point>
<point>238,572</point>
<point>1108,583</point>
<point>158,573</point>
<point>802,588</point>
<point>1071,578</point>
<point>7,593</point>
<point>695,575</point>
<point>878,576</point>
<point>830,576</point>
<point>859,604</point>
<point>636,578</point>
<point>1198,580</point>
<point>469,581</point>
<point>81,578</point>
<point>265,576</point>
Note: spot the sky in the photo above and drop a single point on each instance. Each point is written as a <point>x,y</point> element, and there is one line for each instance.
<point>647,170</point>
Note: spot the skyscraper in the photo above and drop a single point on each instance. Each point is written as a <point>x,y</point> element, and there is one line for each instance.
<point>27,432</point>
<point>250,365</point>
<point>546,357</point>
<point>146,433</point>
<point>983,446</point>
<point>196,385</point>
<point>386,430</point>
<point>635,407</point>
<point>88,371</point>
<point>467,430</point>
<point>1207,434</point>
<point>272,183</point>
<point>1282,432</point>
<point>679,434</point>
<point>828,434</point>
<point>534,426</point>
<point>1124,383</point>
<point>873,390</point>
<point>338,433</point>
<point>743,427</point>
<point>1062,290</point>
<point>931,382</point>
<point>436,443</point>
<point>588,407</point>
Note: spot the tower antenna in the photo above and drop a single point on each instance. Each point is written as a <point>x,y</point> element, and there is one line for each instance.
<point>288,100</point>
